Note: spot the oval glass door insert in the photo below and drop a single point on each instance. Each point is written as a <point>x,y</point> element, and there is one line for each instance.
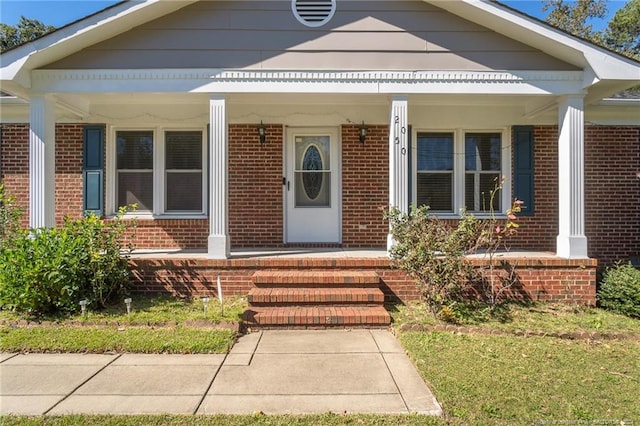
<point>312,182</point>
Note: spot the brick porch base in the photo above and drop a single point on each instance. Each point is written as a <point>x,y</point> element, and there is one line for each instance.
<point>539,277</point>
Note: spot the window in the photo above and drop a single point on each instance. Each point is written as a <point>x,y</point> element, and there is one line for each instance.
<point>435,171</point>
<point>183,168</point>
<point>159,170</point>
<point>457,169</point>
<point>482,171</point>
<point>135,169</point>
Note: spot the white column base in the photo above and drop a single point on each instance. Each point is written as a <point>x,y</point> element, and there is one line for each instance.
<point>390,243</point>
<point>571,247</point>
<point>219,247</point>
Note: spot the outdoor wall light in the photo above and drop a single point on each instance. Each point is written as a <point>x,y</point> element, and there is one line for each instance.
<point>205,303</point>
<point>362,132</point>
<point>127,302</point>
<point>262,132</point>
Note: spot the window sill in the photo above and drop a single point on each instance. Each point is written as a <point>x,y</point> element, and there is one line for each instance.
<point>481,216</point>
<point>142,216</point>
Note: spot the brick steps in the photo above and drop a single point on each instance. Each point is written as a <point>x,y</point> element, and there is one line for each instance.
<point>316,278</point>
<point>315,295</point>
<point>309,316</point>
<point>313,298</point>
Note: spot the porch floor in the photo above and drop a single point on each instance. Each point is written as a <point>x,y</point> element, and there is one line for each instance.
<point>314,253</point>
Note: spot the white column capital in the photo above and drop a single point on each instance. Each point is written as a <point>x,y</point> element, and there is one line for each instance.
<point>571,241</point>
<point>42,158</point>
<point>219,245</point>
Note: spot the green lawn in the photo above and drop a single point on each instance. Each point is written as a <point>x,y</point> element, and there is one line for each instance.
<point>479,379</point>
<point>315,420</point>
<point>155,325</point>
<point>515,380</point>
<point>534,317</point>
<point>113,339</point>
<point>153,310</point>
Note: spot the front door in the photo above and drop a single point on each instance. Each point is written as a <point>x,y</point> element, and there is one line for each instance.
<point>312,186</point>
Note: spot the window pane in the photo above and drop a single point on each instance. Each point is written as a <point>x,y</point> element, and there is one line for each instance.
<point>184,191</point>
<point>488,183</point>
<point>313,189</point>
<point>470,192</point>
<point>436,191</point>
<point>482,151</point>
<point>435,151</point>
<point>183,150</point>
<point>134,150</point>
<point>313,153</point>
<point>478,199</point>
<point>136,187</point>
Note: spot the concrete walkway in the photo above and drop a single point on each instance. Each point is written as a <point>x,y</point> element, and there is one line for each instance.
<point>274,372</point>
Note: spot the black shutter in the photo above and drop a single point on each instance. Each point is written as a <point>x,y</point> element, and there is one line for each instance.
<point>523,170</point>
<point>93,170</point>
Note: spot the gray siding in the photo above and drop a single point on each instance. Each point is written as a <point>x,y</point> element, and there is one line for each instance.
<point>363,35</point>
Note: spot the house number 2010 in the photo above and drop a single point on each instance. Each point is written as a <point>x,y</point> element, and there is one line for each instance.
<point>402,130</point>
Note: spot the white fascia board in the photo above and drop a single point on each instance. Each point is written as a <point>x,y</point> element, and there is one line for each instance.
<point>606,65</point>
<point>263,81</point>
<point>83,33</point>
<point>634,103</point>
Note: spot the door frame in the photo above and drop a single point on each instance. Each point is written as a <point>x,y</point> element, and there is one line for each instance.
<point>335,134</point>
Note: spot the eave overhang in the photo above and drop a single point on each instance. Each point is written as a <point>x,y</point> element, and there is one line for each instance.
<point>604,64</point>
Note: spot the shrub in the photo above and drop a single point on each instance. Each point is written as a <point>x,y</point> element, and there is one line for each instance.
<point>9,217</point>
<point>433,253</point>
<point>48,271</point>
<point>620,290</point>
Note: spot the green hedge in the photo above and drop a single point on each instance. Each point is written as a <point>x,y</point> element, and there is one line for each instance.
<point>49,271</point>
<point>620,290</point>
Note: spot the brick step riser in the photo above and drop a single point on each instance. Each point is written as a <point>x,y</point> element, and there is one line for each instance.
<point>313,278</point>
<point>312,316</point>
<point>319,322</point>
<point>317,285</point>
<point>304,296</point>
<point>343,300</point>
<point>337,304</point>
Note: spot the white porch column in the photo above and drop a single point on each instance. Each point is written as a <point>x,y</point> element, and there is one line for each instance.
<point>42,161</point>
<point>571,242</point>
<point>398,157</point>
<point>219,244</point>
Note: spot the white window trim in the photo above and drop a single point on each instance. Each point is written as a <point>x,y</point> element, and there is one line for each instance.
<point>159,173</point>
<point>459,169</point>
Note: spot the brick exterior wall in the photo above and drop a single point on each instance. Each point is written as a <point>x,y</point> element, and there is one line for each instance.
<point>539,232</point>
<point>365,186</point>
<point>255,186</point>
<point>171,234</point>
<point>553,280</point>
<point>612,193</point>
<point>14,170</point>
<point>69,183</point>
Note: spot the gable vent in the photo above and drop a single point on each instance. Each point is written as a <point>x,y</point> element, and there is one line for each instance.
<point>313,13</point>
